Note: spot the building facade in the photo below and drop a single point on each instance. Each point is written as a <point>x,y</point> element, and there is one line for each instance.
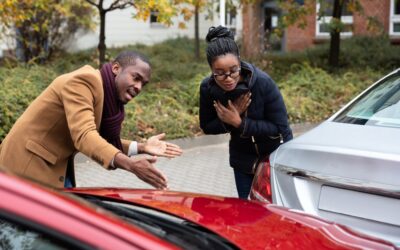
<point>122,29</point>
<point>261,18</point>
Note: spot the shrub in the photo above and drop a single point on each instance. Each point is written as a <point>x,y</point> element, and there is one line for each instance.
<point>170,102</point>
<point>173,110</point>
<point>174,60</point>
<point>312,94</point>
<point>18,87</point>
<point>360,52</point>
<point>356,53</point>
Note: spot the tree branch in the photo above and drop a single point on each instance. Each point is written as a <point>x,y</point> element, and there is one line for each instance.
<point>117,5</point>
<point>92,3</point>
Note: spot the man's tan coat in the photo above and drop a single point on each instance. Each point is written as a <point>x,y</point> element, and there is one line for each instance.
<point>62,120</point>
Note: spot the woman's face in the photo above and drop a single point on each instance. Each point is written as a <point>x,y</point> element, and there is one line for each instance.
<point>226,71</point>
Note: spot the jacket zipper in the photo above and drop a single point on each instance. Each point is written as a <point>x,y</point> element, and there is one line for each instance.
<point>276,137</point>
<point>253,169</point>
<point>252,137</point>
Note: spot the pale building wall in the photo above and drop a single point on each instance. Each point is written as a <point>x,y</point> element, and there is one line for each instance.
<point>6,42</point>
<point>122,29</point>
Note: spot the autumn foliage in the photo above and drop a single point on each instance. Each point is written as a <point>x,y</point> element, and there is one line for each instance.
<point>38,27</point>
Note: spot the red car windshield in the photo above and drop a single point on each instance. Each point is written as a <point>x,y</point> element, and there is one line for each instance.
<point>178,231</point>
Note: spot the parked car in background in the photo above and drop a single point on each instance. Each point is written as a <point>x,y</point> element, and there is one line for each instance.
<point>32,217</point>
<point>347,169</point>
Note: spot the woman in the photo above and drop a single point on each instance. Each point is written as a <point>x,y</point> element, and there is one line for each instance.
<point>242,100</point>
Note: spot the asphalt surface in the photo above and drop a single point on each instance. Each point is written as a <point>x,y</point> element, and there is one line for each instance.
<point>202,168</point>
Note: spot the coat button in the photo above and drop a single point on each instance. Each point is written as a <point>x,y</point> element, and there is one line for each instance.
<point>61,179</point>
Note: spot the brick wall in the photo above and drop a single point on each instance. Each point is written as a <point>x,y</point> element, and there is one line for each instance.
<point>298,39</point>
<point>380,9</point>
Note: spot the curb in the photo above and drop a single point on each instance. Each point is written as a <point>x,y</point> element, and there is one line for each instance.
<point>204,140</point>
<point>201,140</point>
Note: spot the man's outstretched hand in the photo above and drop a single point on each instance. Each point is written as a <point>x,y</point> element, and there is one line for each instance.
<point>155,146</point>
<point>142,167</point>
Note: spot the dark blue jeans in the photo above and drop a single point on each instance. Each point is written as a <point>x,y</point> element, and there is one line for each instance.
<point>69,181</point>
<point>243,183</point>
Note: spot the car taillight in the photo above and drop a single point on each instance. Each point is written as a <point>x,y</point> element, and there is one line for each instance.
<point>261,187</point>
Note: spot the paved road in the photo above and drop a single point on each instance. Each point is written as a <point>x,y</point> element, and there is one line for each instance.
<point>203,168</point>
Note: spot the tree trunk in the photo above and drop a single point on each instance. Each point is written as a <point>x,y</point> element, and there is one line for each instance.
<point>20,50</point>
<point>196,32</point>
<point>102,38</point>
<point>334,49</point>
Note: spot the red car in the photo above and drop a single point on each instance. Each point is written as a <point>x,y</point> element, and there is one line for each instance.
<point>33,217</point>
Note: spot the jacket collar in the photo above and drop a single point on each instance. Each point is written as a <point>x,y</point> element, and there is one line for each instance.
<point>248,72</point>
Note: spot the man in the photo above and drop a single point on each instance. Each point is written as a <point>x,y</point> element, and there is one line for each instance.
<point>83,111</point>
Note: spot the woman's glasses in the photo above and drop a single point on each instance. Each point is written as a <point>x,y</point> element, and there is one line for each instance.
<point>232,74</point>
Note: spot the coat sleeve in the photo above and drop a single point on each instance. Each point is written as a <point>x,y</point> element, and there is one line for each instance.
<point>79,98</point>
<point>209,121</point>
<point>275,115</point>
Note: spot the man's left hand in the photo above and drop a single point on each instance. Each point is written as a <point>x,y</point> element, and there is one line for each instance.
<point>155,146</point>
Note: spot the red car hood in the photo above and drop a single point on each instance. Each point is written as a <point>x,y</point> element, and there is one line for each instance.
<point>247,224</point>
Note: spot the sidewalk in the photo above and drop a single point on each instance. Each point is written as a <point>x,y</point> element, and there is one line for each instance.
<point>202,168</point>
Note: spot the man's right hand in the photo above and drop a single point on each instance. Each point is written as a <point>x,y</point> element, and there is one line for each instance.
<point>142,167</point>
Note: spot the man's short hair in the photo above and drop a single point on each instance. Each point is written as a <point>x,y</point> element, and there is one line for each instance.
<point>129,57</point>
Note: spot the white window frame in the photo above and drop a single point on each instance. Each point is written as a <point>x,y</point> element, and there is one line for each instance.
<point>393,19</point>
<point>327,19</point>
<point>230,24</point>
<point>155,24</point>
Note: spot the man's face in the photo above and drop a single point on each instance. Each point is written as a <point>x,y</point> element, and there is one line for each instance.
<point>130,79</point>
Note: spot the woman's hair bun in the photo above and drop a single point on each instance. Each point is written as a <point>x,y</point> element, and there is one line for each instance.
<point>218,32</point>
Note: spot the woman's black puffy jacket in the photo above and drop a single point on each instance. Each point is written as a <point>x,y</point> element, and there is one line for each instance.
<point>264,124</point>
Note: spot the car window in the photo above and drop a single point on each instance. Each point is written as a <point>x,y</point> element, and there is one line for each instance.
<point>380,106</point>
<point>15,236</point>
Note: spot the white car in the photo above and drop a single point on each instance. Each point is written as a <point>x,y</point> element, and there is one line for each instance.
<point>347,169</point>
